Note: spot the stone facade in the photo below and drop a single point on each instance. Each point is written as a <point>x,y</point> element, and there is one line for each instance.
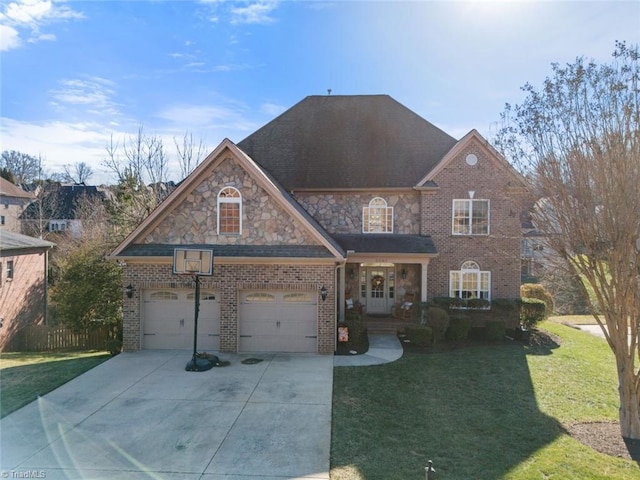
<point>264,222</point>
<point>340,213</point>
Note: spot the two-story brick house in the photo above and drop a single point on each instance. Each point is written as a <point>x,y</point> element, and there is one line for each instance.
<point>13,201</point>
<point>339,197</point>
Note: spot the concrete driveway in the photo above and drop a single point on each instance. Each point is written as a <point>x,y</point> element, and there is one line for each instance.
<point>141,415</point>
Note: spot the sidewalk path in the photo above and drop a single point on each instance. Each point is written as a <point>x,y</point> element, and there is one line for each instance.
<point>382,349</point>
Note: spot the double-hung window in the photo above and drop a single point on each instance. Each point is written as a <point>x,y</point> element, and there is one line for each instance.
<point>377,217</point>
<point>9,269</point>
<point>470,282</point>
<point>470,217</point>
<point>229,211</point>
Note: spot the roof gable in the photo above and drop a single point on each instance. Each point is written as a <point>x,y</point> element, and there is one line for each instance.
<point>189,214</point>
<point>8,189</point>
<point>355,141</point>
<point>473,138</point>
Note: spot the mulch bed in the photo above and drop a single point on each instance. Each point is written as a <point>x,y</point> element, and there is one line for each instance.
<point>604,437</point>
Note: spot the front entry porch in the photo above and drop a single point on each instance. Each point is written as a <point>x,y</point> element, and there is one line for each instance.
<point>384,289</point>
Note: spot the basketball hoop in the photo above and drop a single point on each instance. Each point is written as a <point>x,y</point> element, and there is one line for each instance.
<point>191,262</point>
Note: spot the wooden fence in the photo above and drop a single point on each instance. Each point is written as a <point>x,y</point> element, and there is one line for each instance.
<point>41,338</point>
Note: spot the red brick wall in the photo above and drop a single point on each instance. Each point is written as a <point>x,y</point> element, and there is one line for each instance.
<point>22,299</point>
<point>228,280</point>
<point>499,252</point>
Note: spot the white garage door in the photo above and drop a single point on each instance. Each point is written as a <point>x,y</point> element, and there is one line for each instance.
<point>272,321</point>
<point>168,320</point>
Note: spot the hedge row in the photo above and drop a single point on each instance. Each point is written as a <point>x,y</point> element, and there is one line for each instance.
<point>511,311</point>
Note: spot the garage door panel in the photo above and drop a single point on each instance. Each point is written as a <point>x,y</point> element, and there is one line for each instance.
<point>278,322</point>
<point>168,320</point>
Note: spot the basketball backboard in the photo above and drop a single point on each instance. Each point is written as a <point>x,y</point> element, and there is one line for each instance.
<point>192,261</point>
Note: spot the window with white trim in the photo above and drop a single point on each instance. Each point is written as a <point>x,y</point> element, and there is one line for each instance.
<point>470,282</point>
<point>377,217</point>
<point>229,211</point>
<point>470,217</point>
<point>10,270</point>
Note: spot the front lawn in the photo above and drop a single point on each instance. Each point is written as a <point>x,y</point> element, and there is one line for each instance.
<point>25,376</point>
<point>487,412</point>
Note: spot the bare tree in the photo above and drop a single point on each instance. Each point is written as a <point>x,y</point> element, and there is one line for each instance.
<point>79,172</point>
<point>189,153</point>
<point>579,135</point>
<point>24,167</point>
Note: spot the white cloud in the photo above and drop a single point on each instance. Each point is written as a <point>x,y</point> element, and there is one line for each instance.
<point>272,109</point>
<point>95,94</point>
<point>27,17</point>
<point>43,37</point>
<point>206,117</point>
<point>9,38</point>
<point>58,143</point>
<point>258,12</point>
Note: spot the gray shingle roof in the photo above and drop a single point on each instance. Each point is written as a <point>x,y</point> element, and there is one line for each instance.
<point>386,243</point>
<point>17,241</point>
<point>8,189</point>
<point>260,251</point>
<point>357,141</point>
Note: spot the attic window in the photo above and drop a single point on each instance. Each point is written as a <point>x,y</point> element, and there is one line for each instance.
<point>377,217</point>
<point>229,212</point>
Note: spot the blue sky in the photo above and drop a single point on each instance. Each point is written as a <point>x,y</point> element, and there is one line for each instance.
<point>74,73</point>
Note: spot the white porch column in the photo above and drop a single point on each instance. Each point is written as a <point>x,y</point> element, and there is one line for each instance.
<point>423,281</point>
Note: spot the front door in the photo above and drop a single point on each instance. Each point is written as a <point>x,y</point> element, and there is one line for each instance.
<point>380,289</point>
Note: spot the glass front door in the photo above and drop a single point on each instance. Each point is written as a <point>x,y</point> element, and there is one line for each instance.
<point>380,289</point>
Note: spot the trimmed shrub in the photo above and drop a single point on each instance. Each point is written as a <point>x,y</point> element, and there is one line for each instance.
<point>438,320</point>
<point>535,290</point>
<point>421,335</point>
<point>506,309</point>
<point>495,330</point>
<point>532,311</point>
<point>459,326</point>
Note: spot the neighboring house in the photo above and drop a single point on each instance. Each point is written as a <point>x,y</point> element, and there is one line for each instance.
<point>13,201</point>
<point>23,283</point>
<point>55,210</point>
<point>353,197</point>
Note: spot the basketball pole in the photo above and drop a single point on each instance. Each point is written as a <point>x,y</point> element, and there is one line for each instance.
<point>195,321</point>
<point>197,364</point>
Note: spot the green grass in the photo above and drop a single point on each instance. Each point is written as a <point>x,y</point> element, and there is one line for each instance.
<point>25,376</point>
<point>489,412</point>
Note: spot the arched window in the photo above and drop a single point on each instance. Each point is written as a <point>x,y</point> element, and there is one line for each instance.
<point>377,217</point>
<point>229,212</point>
<point>470,282</point>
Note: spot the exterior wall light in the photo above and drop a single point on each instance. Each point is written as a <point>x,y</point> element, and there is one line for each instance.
<point>129,291</point>
<point>323,293</point>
